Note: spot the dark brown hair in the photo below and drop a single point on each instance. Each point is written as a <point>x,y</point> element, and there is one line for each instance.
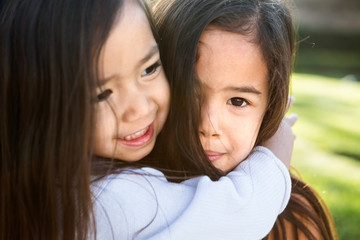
<point>180,24</point>
<point>49,53</point>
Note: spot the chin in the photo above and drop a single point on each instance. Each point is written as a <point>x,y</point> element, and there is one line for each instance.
<point>140,153</point>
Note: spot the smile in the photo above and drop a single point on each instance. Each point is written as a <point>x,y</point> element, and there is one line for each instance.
<point>139,138</point>
<point>213,156</point>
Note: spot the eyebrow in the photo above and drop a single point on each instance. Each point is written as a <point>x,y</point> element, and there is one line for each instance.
<point>152,51</point>
<point>246,89</point>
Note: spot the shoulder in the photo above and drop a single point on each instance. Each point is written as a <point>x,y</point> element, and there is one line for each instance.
<point>127,179</point>
<point>130,186</point>
<point>125,202</point>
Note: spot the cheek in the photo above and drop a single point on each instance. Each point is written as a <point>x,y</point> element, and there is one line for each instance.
<point>105,131</point>
<point>105,123</point>
<point>255,127</point>
<point>161,95</point>
<point>245,135</point>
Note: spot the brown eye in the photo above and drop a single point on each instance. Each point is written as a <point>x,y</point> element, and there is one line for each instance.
<point>237,102</point>
<point>104,95</point>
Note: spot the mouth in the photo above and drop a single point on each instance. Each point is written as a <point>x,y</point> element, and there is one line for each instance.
<point>139,138</point>
<point>213,156</point>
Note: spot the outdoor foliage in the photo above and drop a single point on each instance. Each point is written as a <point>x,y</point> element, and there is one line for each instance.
<point>327,147</point>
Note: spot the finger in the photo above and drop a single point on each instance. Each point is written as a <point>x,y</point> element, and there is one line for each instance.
<point>292,118</point>
<point>291,100</point>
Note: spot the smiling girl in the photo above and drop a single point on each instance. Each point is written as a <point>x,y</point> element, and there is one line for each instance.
<point>133,88</point>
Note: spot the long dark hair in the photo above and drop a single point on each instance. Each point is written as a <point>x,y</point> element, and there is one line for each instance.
<point>49,53</point>
<point>180,24</point>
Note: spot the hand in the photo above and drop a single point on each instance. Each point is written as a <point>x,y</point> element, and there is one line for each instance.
<point>282,143</point>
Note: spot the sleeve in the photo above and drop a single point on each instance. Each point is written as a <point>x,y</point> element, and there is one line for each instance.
<point>241,205</point>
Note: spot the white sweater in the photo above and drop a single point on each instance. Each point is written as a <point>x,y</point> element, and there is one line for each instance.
<point>142,204</point>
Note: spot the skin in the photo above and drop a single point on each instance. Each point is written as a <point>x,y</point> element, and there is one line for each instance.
<point>133,97</point>
<point>234,78</point>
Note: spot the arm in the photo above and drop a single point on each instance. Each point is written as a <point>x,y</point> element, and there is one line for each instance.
<point>282,142</point>
<point>242,205</point>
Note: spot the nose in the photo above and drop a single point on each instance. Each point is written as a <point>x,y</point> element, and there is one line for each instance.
<point>210,123</point>
<point>137,104</point>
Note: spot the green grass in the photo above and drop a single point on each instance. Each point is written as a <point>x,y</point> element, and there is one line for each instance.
<point>327,147</point>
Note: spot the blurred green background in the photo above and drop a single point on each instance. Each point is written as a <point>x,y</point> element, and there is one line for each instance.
<point>327,147</point>
<point>326,86</point>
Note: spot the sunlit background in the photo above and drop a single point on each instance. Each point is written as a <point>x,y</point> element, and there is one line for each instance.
<point>326,86</point>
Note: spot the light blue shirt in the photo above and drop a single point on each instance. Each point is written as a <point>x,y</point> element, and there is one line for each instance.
<point>142,204</point>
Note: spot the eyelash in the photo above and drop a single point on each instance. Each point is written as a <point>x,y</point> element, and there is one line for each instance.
<point>104,95</point>
<point>240,102</point>
<point>151,70</point>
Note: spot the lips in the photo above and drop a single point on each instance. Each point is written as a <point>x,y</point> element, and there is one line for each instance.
<point>139,138</point>
<point>213,156</point>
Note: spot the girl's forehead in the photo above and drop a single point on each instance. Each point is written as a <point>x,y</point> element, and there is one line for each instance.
<point>129,43</point>
<point>228,61</point>
<point>226,40</point>
<point>220,44</point>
